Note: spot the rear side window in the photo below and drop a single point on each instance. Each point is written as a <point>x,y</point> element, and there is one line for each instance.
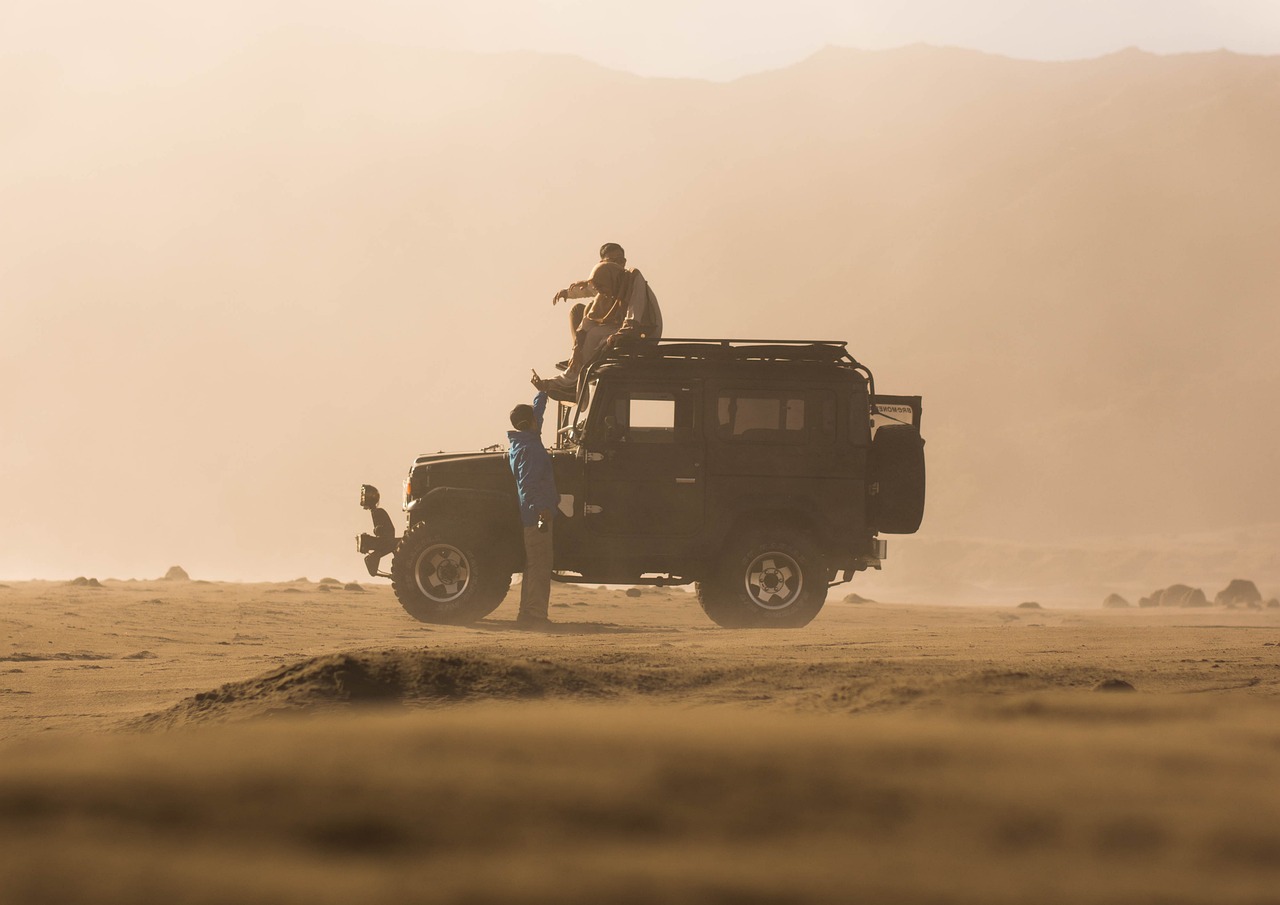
<point>769,416</point>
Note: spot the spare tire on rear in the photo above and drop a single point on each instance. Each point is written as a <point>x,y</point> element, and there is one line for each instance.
<point>895,480</point>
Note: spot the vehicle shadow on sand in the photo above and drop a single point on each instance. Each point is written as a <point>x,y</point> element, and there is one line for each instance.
<point>572,628</point>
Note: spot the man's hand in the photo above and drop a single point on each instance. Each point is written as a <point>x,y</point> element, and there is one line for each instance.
<point>537,381</point>
<point>562,294</point>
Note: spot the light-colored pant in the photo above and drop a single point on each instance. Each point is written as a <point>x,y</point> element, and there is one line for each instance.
<point>588,346</point>
<point>535,587</point>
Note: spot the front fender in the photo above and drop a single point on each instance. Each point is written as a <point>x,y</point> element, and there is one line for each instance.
<point>491,512</point>
<point>448,498</point>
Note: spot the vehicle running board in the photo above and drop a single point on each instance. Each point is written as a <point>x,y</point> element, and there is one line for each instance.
<point>659,581</point>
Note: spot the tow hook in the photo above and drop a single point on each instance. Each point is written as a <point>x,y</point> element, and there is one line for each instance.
<point>383,540</point>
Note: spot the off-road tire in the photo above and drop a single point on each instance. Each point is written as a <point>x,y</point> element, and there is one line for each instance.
<point>770,579</point>
<point>446,576</point>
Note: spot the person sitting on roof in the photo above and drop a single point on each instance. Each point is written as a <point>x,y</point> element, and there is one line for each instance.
<point>623,309</point>
<point>642,316</point>
<point>597,322</point>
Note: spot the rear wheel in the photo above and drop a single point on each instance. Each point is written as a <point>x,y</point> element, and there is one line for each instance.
<point>445,576</point>
<point>768,580</point>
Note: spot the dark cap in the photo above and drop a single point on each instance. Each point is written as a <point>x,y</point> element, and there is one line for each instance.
<point>612,251</point>
<point>522,414</point>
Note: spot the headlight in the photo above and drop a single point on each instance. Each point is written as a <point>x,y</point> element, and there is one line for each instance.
<point>419,480</point>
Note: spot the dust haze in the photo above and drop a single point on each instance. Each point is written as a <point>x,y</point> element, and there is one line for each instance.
<point>253,255</point>
<point>238,283</point>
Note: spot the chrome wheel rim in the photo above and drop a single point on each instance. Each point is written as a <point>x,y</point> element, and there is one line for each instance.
<point>774,581</point>
<point>442,573</point>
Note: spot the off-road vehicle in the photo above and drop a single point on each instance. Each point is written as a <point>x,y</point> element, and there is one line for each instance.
<point>762,470</point>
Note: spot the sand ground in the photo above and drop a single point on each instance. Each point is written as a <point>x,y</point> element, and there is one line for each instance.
<point>887,753</point>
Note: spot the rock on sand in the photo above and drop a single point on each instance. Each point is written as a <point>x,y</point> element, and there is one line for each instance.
<point>176,573</point>
<point>1113,685</point>
<point>1176,595</point>
<point>1240,592</point>
<point>1115,602</point>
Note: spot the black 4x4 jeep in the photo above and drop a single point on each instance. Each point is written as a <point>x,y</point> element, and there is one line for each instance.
<point>762,470</point>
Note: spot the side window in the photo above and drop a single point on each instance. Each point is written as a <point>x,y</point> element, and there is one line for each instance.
<point>765,416</point>
<point>648,416</point>
<point>652,419</point>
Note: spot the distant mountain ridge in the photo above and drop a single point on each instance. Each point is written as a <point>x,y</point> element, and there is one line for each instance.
<point>1073,262</point>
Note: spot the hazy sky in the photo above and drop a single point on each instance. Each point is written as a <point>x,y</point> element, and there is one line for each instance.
<point>246,267</point>
<point>123,40</point>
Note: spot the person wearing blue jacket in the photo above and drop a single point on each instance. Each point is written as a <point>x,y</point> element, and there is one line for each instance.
<point>536,485</point>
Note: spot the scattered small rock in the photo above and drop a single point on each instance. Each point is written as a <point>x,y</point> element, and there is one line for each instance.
<point>1113,685</point>
<point>93,583</point>
<point>79,582</point>
<point>325,587</point>
<point>4,587</point>
<point>302,580</point>
<point>176,573</point>
<point>352,586</point>
<point>633,592</point>
<point>329,581</point>
<point>1238,591</point>
<point>857,598</point>
<point>1115,602</point>
<point>1029,605</point>
<point>1273,604</point>
<point>140,655</point>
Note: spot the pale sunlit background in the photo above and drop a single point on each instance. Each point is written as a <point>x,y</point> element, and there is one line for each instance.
<point>254,254</point>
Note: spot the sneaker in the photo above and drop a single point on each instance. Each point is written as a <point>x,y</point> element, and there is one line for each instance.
<point>533,622</point>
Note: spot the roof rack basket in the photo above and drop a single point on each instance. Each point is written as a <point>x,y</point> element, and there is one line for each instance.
<point>817,350</point>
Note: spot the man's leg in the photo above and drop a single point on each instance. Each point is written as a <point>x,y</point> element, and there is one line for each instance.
<point>535,586</point>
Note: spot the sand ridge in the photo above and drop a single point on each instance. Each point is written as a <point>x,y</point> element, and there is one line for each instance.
<point>279,743</point>
<point>98,659</point>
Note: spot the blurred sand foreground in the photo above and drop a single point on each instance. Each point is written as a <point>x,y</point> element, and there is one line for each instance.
<point>884,754</point>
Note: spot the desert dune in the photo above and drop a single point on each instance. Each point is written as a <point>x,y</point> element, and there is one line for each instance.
<point>178,741</point>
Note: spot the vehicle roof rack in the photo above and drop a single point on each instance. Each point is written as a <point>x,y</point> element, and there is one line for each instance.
<point>809,350</point>
<point>817,350</point>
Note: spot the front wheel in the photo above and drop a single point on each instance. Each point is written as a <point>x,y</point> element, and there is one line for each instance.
<point>769,580</point>
<point>446,577</point>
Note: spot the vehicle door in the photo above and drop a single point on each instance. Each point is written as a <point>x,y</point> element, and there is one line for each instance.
<point>644,460</point>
